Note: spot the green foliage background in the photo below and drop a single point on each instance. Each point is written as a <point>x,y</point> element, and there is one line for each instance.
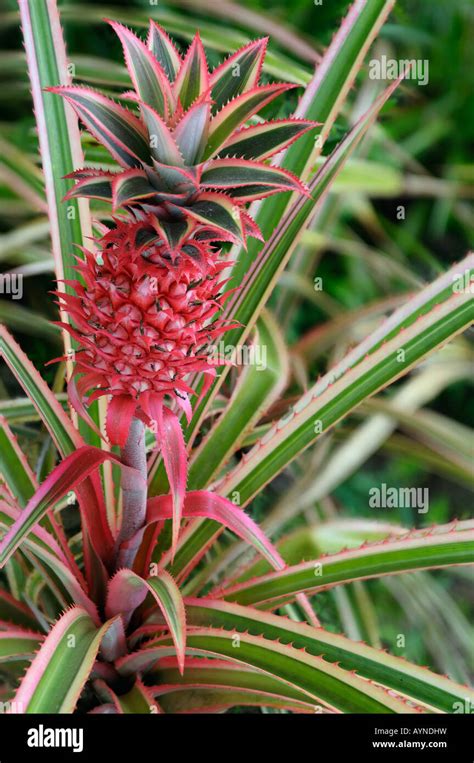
<point>427,142</point>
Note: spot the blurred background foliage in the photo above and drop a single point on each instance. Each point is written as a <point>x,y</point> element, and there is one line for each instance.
<point>400,214</point>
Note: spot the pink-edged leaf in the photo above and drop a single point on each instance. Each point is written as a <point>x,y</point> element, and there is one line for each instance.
<point>105,693</point>
<point>86,172</point>
<point>217,210</point>
<point>18,644</point>
<point>97,186</point>
<point>245,194</point>
<point>238,73</point>
<point>174,182</point>
<point>210,685</point>
<point>147,75</point>
<point>56,677</point>
<point>39,534</point>
<point>15,613</point>
<point>265,140</point>
<point>234,114</point>
<point>244,173</point>
<point>59,140</point>
<point>445,546</point>
<point>184,402</point>
<point>164,50</point>
<point>127,591</point>
<point>162,144</point>
<point>107,709</point>
<point>55,565</point>
<point>114,642</point>
<point>75,391</point>
<point>173,448</point>
<point>120,412</point>
<point>192,79</point>
<point>139,700</point>
<point>122,134</point>
<point>192,130</point>
<point>131,187</point>
<point>250,226</point>
<point>68,475</point>
<point>66,438</point>
<point>64,478</point>
<point>201,503</point>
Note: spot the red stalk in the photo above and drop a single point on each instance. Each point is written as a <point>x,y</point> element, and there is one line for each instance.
<point>134,491</point>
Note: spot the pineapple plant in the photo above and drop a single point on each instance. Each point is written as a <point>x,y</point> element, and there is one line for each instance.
<point>169,568</point>
<point>144,320</point>
<point>188,168</point>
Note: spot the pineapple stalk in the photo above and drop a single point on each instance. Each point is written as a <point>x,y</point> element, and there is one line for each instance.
<point>134,492</point>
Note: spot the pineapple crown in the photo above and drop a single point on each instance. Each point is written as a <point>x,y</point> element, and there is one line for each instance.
<point>185,154</point>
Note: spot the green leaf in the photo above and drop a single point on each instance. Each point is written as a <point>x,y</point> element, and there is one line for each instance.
<point>16,644</point>
<point>21,410</point>
<point>127,591</point>
<point>351,382</point>
<point>14,467</point>
<point>15,612</point>
<point>19,318</point>
<point>420,550</point>
<point>213,685</point>
<point>323,101</point>
<point>59,137</point>
<point>321,681</point>
<point>259,385</point>
<point>21,174</point>
<point>139,700</point>
<point>51,412</point>
<point>391,671</point>
<point>55,678</point>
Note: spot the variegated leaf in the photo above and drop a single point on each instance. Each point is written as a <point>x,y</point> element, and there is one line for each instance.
<point>262,141</point>
<point>127,591</point>
<point>192,79</point>
<point>164,50</point>
<point>238,73</point>
<point>235,113</point>
<point>122,134</point>
<point>149,79</point>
